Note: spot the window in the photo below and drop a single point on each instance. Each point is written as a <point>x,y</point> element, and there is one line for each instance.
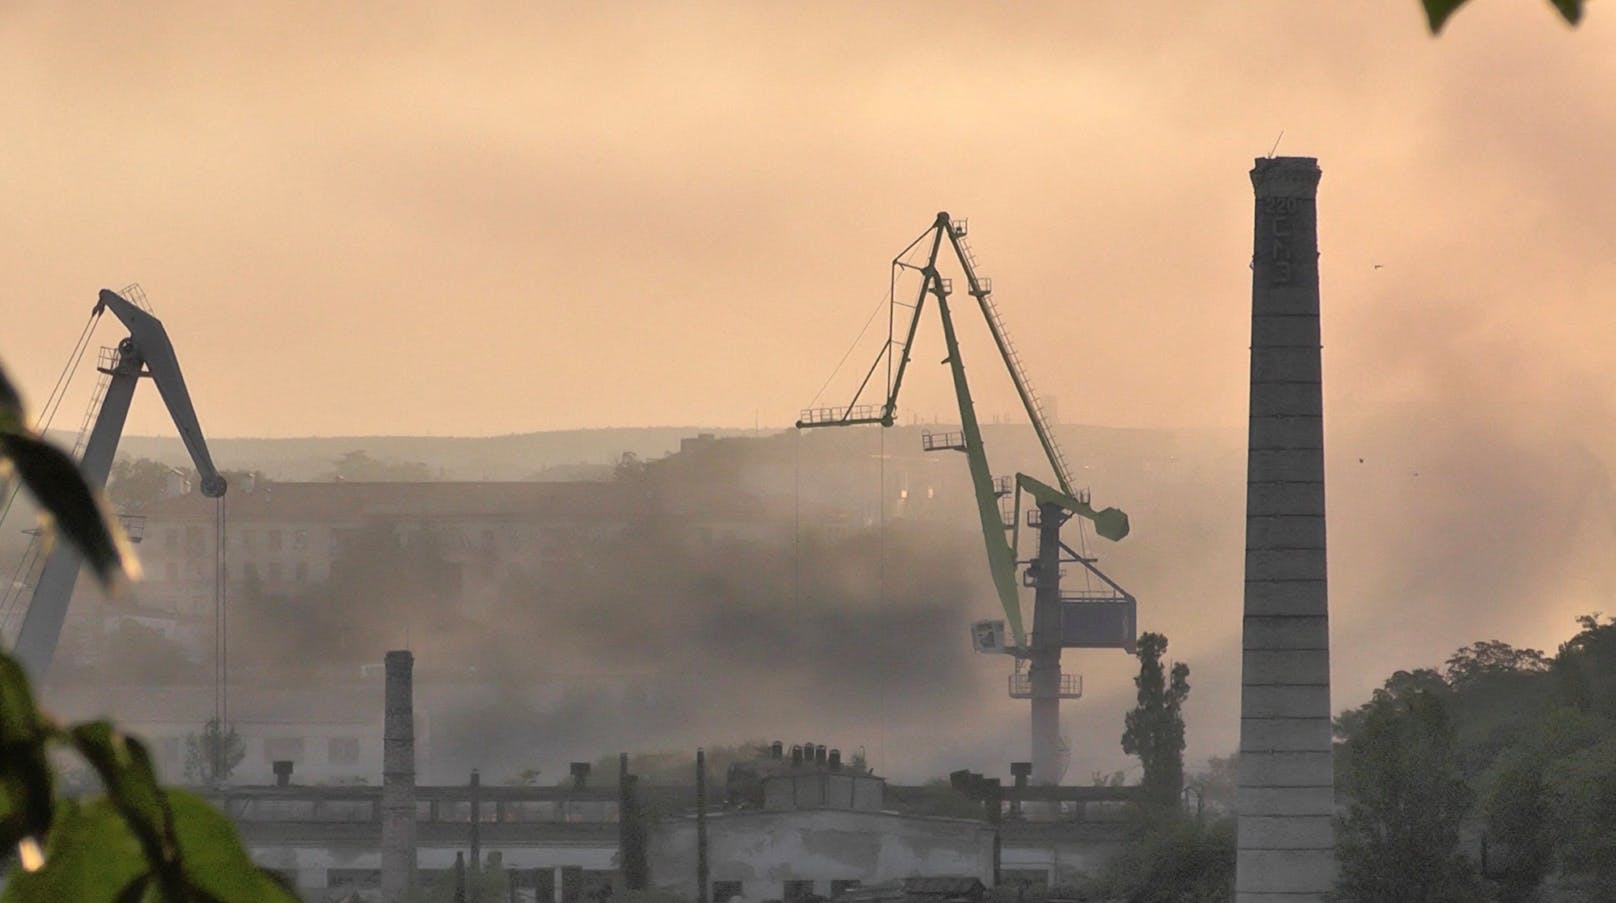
<point>302,572</point>
<point>250,571</point>
<point>171,538</point>
<point>274,572</point>
<point>724,891</point>
<point>300,539</point>
<point>343,750</point>
<point>837,888</point>
<point>274,540</point>
<point>283,748</point>
<point>797,891</point>
<point>248,539</point>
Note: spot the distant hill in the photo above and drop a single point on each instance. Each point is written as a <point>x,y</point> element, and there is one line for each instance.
<point>562,454</point>
<point>590,454</point>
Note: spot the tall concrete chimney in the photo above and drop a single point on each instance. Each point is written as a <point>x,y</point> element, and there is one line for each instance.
<point>1286,845</point>
<point>398,780</point>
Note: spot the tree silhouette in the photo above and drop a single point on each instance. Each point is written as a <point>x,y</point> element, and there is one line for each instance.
<point>1154,730</point>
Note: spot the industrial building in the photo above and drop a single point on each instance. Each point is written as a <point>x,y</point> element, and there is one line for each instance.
<point>789,825</point>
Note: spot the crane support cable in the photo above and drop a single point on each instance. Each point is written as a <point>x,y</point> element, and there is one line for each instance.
<point>11,598</point>
<point>53,402</point>
<point>884,302</point>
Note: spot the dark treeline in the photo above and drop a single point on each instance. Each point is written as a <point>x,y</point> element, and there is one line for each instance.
<point>1493,778</point>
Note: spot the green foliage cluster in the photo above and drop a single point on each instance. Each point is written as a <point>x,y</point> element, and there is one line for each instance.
<point>1494,778</point>
<point>1154,729</point>
<point>1171,858</point>
<point>1174,859</point>
<point>1438,11</point>
<point>213,754</point>
<point>135,841</point>
<point>489,883</point>
<point>359,467</point>
<point>1399,839</point>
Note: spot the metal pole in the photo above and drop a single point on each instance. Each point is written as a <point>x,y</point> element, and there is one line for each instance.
<point>476,836</point>
<point>993,796</point>
<point>701,827</point>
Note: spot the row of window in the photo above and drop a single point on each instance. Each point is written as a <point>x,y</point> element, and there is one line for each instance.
<point>274,572</point>
<point>578,885</point>
<point>274,540</point>
<point>339,750</point>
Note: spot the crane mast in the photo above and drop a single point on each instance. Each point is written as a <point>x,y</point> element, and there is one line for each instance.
<point>145,352</point>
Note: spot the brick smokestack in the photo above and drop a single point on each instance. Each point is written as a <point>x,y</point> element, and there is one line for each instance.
<point>1286,846</point>
<point>398,780</point>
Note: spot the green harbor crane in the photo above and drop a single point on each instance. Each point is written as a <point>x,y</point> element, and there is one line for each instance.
<point>1102,619</point>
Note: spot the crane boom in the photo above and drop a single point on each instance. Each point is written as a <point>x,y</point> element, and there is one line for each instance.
<point>1001,556</point>
<point>146,351</point>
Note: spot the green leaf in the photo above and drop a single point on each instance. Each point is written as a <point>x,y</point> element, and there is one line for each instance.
<point>1438,11</point>
<point>11,415</point>
<point>25,777</point>
<point>215,863</point>
<point>91,855</point>
<point>126,771</point>
<point>135,890</point>
<point>1570,9</point>
<point>56,483</point>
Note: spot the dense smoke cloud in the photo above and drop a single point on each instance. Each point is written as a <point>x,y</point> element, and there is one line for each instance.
<point>743,639</point>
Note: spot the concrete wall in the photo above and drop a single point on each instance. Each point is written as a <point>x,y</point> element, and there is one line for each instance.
<point>311,866</point>
<point>763,850</point>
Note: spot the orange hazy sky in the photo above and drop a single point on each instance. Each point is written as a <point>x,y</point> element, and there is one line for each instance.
<point>366,218</point>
